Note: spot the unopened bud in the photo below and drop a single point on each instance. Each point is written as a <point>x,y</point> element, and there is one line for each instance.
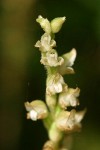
<point>57,23</point>
<point>44,23</point>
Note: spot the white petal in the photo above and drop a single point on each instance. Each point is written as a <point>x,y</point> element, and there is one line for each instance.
<point>74,101</point>
<point>33,115</point>
<point>58,87</point>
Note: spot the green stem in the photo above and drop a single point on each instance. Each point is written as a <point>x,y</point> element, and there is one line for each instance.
<point>51,70</point>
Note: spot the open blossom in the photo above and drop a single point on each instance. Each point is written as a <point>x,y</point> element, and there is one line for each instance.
<point>69,97</point>
<point>55,84</point>
<point>51,59</point>
<point>46,43</point>
<point>36,110</point>
<point>70,121</point>
<point>69,58</point>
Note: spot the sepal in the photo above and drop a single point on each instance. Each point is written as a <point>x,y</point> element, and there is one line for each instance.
<point>69,58</point>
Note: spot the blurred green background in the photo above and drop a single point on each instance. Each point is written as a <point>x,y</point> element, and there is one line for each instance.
<point>22,77</point>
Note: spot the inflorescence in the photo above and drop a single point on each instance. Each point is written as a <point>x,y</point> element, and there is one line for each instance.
<point>58,120</point>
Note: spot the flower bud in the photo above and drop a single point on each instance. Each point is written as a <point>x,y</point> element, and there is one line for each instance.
<point>44,23</point>
<point>36,110</point>
<point>57,23</point>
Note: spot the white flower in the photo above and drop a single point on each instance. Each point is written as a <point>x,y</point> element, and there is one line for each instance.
<point>55,84</point>
<point>45,44</point>
<point>69,59</point>
<point>44,23</point>
<point>70,121</point>
<point>69,97</point>
<point>51,59</point>
<point>36,110</point>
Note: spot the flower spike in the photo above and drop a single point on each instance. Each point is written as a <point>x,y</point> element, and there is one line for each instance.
<point>54,112</point>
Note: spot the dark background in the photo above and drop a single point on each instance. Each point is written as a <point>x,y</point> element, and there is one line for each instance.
<point>22,77</point>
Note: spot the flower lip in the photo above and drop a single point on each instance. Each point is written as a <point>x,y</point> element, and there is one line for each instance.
<point>32,115</point>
